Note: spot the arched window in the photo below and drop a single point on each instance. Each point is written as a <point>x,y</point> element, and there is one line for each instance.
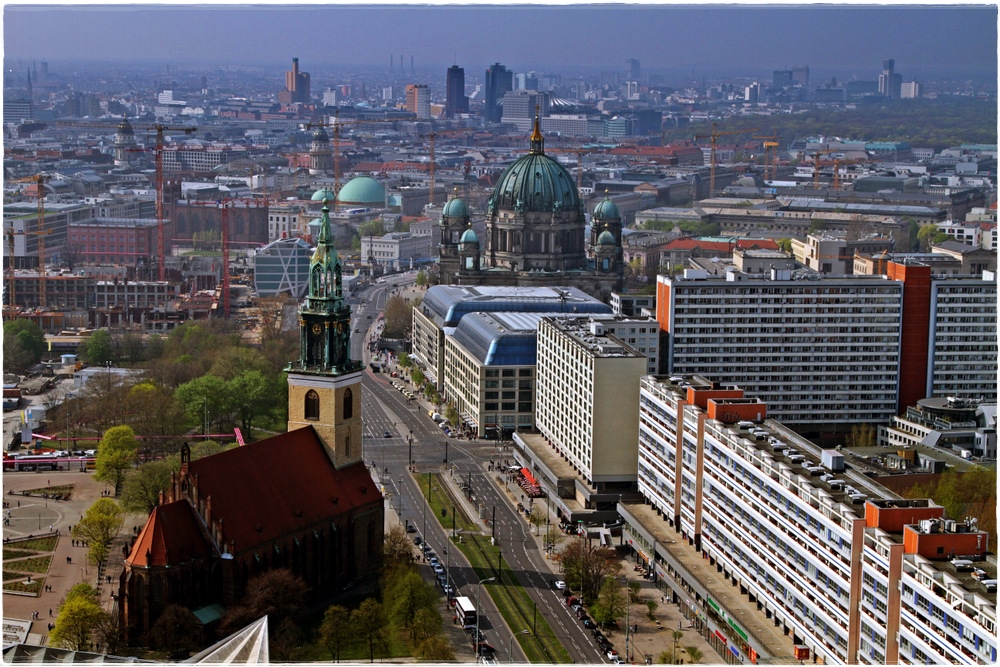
<point>312,404</point>
<point>348,404</point>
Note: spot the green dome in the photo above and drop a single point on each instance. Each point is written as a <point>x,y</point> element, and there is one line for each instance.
<point>606,209</point>
<point>363,190</point>
<point>606,238</point>
<point>455,208</point>
<point>322,194</point>
<point>469,237</point>
<point>535,183</point>
<point>321,136</point>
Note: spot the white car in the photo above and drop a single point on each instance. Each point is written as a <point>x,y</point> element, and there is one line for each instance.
<point>560,585</point>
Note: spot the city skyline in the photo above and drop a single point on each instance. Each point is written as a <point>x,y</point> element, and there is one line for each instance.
<point>696,39</point>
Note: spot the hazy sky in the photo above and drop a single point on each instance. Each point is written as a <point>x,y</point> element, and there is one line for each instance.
<point>924,40</point>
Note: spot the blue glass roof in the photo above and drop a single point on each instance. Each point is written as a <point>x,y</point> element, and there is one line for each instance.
<point>501,339</point>
<point>448,304</point>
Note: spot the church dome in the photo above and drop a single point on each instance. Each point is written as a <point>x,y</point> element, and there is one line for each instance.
<point>125,127</point>
<point>469,237</point>
<point>606,209</point>
<point>455,208</point>
<point>320,136</point>
<point>606,238</point>
<point>535,183</point>
<point>363,190</point>
<point>323,193</point>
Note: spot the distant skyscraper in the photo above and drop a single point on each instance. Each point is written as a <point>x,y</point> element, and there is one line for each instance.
<point>632,69</point>
<point>890,83</point>
<point>782,78</point>
<point>455,100</point>
<point>296,86</point>
<point>800,75</point>
<point>418,100</point>
<point>499,80</point>
<point>910,90</point>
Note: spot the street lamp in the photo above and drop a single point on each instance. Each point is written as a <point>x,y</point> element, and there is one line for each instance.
<point>479,613</point>
<point>510,644</point>
<point>628,628</point>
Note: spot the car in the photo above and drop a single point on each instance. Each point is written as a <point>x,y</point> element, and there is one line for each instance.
<point>425,547</point>
<point>417,540</point>
<point>576,608</point>
<point>560,585</point>
<point>581,614</point>
<point>572,600</point>
<point>386,434</point>
<point>588,624</point>
<point>617,661</point>
<point>410,528</point>
<point>597,634</point>
<point>394,374</point>
<point>439,571</point>
<point>612,654</point>
<point>567,592</point>
<point>448,590</point>
<point>433,561</point>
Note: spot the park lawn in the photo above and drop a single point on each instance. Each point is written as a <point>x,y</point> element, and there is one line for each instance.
<point>9,554</point>
<point>22,586</point>
<point>39,544</point>
<point>65,490</point>
<point>33,564</point>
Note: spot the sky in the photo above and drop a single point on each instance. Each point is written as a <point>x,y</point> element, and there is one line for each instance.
<point>925,40</point>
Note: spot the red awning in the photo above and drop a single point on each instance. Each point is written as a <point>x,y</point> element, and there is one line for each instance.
<point>528,476</point>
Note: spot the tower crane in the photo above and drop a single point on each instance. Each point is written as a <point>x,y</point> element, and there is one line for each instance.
<point>580,152</point>
<point>433,135</point>
<point>770,143</point>
<point>836,163</point>
<point>713,137</point>
<point>224,206</point>
<point>41,232</point>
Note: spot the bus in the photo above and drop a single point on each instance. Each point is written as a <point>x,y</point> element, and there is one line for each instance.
<point>48,463</point>
<point>465,612</point>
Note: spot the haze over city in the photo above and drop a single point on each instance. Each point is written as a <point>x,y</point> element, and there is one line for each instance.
<point>928,41</point>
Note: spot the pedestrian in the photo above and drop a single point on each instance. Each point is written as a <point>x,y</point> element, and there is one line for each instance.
<point>50,613</point>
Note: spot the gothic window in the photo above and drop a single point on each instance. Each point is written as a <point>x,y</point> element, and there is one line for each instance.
<point>312,405</point>
<point>348,404</point>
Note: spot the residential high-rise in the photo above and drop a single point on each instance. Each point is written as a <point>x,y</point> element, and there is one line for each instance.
<point>800,75</point>
<point>499,80</point>
<point>296,86</point>
<point>822,350</point>
<point>456,101</point>
<point>632,69</point>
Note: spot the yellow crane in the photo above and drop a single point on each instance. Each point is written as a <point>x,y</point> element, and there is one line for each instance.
<point>713,142</point>
<point>770,143</point>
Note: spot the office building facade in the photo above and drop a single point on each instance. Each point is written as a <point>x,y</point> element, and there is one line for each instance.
<point>456,101</point>
<point>499,81</point>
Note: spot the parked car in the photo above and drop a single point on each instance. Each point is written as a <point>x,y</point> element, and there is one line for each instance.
<point>587,623</point>
<point>572,600</point>
<point>612,654</point>
<point>560,585</point>
<point>417,540</point>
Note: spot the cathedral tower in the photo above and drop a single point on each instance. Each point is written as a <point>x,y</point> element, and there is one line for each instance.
<point>324,385</point>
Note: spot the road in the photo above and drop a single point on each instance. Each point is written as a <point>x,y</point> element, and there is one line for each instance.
<point>386,410</point>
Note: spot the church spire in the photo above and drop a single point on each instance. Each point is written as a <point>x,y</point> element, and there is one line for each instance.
<point>537,140</point>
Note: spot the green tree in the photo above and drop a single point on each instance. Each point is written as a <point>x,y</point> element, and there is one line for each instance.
<point>98,350</point>
<point>538,516</point>
<point>396,551</point>
<point>208,394</point>
<point>421,280</point>
<point>251,392</point>
<point>785,244</point>
<point>115,456</point>
<point>174,632</point>
<point>611,602</point>
<point>404,360</point>
<point>418,376</point>
<point>426,623</point>
<point>277,594</point>
<point>435,649</point>
<point>334,631</point>
<point>371,228</point>
<point>80,615</point>
<point>368,624</point>
<point>406,594</point>
<point>451,414</point>
<point>23,344</point>
<point>100,524</point>
<point>141,493</point>
<point>398,317</point>
<point>694,654</point>
<point>633,591</point>
<point>651,605</point>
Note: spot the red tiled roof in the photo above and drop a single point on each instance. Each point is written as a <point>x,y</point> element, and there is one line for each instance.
<point>278,486</point>
<point>172,535</point>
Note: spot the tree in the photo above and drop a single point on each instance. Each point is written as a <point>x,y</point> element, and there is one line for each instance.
<point>277,594</point>
<point>174,632</point>
<point>368,624</point>
<point>435,649</point>
<point>972,493</point>
<point>334,632</point>
<point>97,350</point>
<point>537,516</point>
<point>271,316</point>
<point>426,623</point>
<point>651,605</point>
<point>611,603</point>
<point>79,617</point>
<point>929,235</point>
<point>451,414</point>
<point>418,376</point>
<point>396,550</point>
<point>421,280</point>
<point>115,455</point>
<point>251,394</point>
<point>633,591</point>
<point>861,435</point>
<point>406,594</point>
<point>371,228</point>
<point>785,244</point>
<point>141,493</point>
<point>404,360</point>
<point>99,526</point>
<point>694,654</point>
<point>206,394</point>
<point>585,567</point>
<point>398,317</point>
<point>23,344</point>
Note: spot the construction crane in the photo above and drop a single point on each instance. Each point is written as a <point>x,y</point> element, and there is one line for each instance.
<point>336,125</point>
<point>41,232</point>
<point>770,143</point>
<point>713,137</point>
<point>433,135</point>
<point>580,152</point>
<point>158,152</point>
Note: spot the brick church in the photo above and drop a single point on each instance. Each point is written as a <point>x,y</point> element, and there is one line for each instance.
<point>302,500</point>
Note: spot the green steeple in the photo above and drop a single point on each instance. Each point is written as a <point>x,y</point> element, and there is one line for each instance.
<point>325,317</point>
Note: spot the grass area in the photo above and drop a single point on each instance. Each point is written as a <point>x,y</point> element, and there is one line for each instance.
<point>513,602</point>
<point>9,554</point>
<point>33,564</point>
<point>38,544</point>
<point>23,586</point>
<point>65,491</point>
